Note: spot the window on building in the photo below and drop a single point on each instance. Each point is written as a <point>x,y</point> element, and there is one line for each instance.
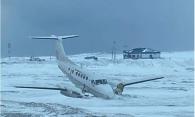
<point>151,56</point>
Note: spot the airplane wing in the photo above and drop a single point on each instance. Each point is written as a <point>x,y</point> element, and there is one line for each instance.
<point>141,81</point>
<point>119,88</point>
<point>49,88</point>
<point>63,91</point>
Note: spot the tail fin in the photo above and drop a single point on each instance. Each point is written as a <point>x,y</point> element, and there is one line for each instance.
<point>60,54</point>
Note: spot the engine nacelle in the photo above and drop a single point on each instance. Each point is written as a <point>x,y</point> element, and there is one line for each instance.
<point>119,89</point>
<point>70,93</point>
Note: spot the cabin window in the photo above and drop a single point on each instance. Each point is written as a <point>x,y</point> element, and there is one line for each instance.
<point>105,81</point>
<point>72,71</point>
<point>92,81</point>
<point>101,81</point>
<point>83,77</point>
<point>97,82</point>
<point>76,73</point>
<point>86,78</point>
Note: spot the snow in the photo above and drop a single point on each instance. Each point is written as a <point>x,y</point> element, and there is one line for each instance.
<point>168,97</point>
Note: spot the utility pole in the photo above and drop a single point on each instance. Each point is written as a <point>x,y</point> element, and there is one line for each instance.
<point>9,49</point>
<point>114,51</point>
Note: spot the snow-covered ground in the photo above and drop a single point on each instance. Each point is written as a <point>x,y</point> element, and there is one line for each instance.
<point>168,97</point>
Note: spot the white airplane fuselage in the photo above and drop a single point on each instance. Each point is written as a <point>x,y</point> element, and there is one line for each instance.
<point>81,78</point>
<point>83,81</point>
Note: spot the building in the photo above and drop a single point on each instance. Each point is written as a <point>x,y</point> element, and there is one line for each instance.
<point>141,53</point>
<point>32,58</point>
<point>92,57</point>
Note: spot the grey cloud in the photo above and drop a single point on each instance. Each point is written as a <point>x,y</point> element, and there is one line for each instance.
<point>165,25</point>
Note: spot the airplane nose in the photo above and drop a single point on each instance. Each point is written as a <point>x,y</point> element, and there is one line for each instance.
<point>108,92</point>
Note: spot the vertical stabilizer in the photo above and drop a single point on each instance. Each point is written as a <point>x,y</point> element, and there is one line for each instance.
<point>60,54</point>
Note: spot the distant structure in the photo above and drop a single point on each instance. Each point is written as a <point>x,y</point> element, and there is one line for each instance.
<point>114,51</point>
<point>9,49</point>
<point>92,57</point>
<point>141,53</point>
<point>32,58</point>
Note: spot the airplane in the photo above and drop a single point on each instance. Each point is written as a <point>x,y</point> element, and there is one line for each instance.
<point>82,78</point>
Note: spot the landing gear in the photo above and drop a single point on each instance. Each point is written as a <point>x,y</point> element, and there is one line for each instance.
<point>83,89</point>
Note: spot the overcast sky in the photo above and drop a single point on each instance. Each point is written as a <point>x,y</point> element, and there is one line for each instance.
<point>165,25</point>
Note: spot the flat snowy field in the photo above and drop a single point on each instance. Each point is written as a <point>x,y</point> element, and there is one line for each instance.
<point>168,97</point>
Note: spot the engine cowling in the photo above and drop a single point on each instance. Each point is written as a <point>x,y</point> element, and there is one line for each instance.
<point>119,89</point>
<point>70,93</point>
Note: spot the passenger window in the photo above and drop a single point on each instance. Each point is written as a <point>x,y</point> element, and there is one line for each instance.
<point>86,78</point>
<point>97,82</point>
<point>92,81</point>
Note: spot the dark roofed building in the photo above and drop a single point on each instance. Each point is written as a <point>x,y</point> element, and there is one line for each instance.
<point>141,53</point>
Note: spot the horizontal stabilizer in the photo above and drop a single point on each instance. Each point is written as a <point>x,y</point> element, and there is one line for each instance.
<point>55,37</point>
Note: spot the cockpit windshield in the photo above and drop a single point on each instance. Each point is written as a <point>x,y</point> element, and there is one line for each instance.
<point>100,81</point>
